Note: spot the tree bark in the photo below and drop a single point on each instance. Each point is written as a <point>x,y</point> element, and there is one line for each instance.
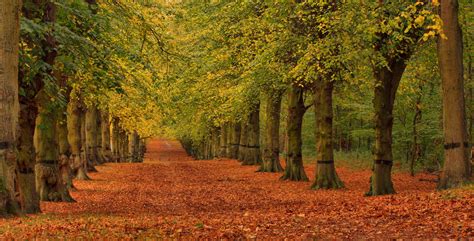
<point>11,196</point>
<point>243,141</point>
<point>48,178</point>
<point>75,128</point>
<point>253,155</point>
<point>115,139</point>
<point>64,151</point>
<point>49,183</point>
<point>215,135</point>
<point>26,155</point>
<point>123,145</point>
<point>105,133</point>
<point>326,176</point>
<point>271,152</point>
<point>457,167</point>
<point>387,81</point>
<point>223,141</point>
<point>133,147</point>
<point>294,170</point>
<point>100,157</point>
<point>416,147</point>
<point>91,138</point>
<point>235,140</point>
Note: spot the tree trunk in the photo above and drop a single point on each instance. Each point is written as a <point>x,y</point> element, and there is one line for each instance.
<point>243,141</point>
<point>457,167</point>
<point>105,133</point>
<point>388,78</point>
<point>142,149</point>
<point>83,140</point>
<point>115,139</point>
<point>91,138</point>
<point>326,176</point>
<point>215,135</point>
<point>64,151</point>
<point>133,147</point>
<point>48,178</point>
<point>253,156</point>
<point>294,170</point>
<point>223,141</point>
<point>123,148</point>
<point>235,140</point>
<point>416,147</point>
<point>49,183</point>
<point>271,152</point>
<point>75,128</point>
<point>100,157</point>
<point>26,155</point>
<point>10,194</point>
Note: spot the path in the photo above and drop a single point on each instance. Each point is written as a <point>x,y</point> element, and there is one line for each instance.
<point>171,195</point>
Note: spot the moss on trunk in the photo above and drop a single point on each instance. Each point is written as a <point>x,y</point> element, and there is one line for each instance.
<point>49,183</point>
<point>64,151</point>
<point>91,138</point>
<point>75,129</point>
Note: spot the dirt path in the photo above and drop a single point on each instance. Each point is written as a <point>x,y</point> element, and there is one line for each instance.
<point>173,196</point>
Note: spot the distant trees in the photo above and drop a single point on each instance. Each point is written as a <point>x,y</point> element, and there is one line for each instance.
<point>293,49</point>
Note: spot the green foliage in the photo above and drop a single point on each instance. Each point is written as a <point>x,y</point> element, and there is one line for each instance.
<point>183,68</point>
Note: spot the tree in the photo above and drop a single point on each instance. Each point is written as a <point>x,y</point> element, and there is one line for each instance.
<point>457,167</point>
<point>413,23</point>
<point>49,183</point>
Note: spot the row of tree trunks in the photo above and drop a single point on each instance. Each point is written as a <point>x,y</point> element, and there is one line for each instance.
<point>39,159</point>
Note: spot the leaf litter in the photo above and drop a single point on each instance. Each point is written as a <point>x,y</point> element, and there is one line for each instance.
<point>172,196</point>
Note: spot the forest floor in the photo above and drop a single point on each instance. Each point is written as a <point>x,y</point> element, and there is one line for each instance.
<point>173,196</point>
